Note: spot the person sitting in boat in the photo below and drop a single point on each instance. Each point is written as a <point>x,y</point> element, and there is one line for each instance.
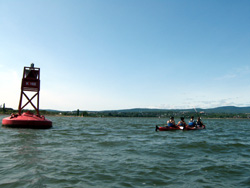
<point>199,122</point>
<point>192,122</point>
<point>182,123</point>
<point>171,122</point>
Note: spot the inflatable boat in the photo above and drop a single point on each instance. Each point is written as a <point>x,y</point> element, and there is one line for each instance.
<point>167,128</point>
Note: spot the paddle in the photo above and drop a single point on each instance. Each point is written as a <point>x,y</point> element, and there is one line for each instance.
<point>196,112</point>
<point>198,116</point>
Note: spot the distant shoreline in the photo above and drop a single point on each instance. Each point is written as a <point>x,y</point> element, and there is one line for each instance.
<point>204,118</point>
<point>224,112</point>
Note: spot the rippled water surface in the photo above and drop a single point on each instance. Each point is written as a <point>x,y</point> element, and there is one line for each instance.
<point>125,152</point>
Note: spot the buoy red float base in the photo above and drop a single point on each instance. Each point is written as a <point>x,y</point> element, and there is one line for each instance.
<point>27,120</point>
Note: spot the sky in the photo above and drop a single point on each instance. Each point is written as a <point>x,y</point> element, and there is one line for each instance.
<point>122,54</point>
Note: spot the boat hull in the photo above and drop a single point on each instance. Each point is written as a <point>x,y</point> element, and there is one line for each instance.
<point>167,128</point>
<point>195,128</point>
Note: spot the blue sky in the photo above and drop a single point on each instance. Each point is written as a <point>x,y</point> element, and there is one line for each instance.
<point>114,54</point>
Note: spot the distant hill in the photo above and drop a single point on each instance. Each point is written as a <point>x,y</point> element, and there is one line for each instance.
<point>137,110</point>
<point>228,109</point>
<point>223,109</point>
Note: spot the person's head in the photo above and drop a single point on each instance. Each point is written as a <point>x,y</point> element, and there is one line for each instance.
<point>192,117</point>
<point>172,118</point>
<point>182,118</point>
<point>198,118</point>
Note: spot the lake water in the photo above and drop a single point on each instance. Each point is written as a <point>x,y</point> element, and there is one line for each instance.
<point>125,152</point>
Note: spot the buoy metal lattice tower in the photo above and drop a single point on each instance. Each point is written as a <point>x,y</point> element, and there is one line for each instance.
<point>30,83</point>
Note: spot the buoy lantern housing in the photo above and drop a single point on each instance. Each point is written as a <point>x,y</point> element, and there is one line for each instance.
<point>30,83</point>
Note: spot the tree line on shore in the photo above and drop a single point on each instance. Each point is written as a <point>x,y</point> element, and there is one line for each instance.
<point>133,113</point>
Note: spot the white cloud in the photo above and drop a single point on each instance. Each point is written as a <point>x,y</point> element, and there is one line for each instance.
<point>226,77</point>
<point>237,72</point>
<point>209,103</point>
<point>243,70</point>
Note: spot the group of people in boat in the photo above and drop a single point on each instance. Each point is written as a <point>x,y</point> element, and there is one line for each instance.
<point>191,123</point>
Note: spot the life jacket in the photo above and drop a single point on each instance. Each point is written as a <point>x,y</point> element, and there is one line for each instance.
<point>199,123</point>
<point>170,124</point>
<point>191,124</point>
<point>181,124</point>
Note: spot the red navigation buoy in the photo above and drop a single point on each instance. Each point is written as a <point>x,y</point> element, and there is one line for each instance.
<point>30,83</point>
